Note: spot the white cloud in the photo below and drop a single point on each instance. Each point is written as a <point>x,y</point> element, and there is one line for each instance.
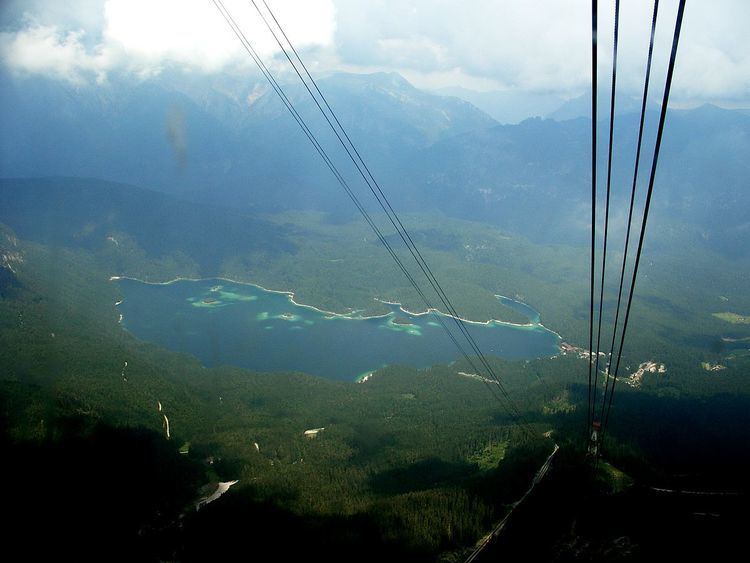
<point>544,46</point>
<point>540,46</point>
<point>142,36</point>
<point>714,58</point>
<point>47,50</point>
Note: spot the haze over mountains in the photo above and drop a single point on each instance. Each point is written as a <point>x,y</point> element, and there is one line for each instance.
<point>108,217</point>
<point>235,145</point>
<point>201,338</point>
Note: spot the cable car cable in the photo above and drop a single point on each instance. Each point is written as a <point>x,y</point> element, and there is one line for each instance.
<point>375,188</point>
<point>632,194</point>
<point>277,88</point>
<point>652,176</point>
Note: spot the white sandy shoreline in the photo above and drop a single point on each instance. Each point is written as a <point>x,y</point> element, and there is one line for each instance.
<point>485,323</point>
<point>290,295</point>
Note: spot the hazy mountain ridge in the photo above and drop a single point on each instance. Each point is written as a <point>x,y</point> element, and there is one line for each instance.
<point>98,216</point>
<point>382,104</point>
<point>535,177</point>
<point>236,145</point>
<point>233,145</point>
<point>580,106</point>
<point>206,354</point>
<point>507,106</point>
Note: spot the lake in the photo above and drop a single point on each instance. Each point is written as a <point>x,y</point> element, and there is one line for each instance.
<point>228,323</point>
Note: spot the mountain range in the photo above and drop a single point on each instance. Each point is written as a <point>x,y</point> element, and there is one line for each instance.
<point>237,146</point>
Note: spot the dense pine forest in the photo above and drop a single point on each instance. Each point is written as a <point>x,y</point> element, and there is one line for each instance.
<point>410,464</point>
<point>374,281</point>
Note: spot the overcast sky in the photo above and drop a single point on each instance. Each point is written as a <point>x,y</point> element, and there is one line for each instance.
<point>539,46</point>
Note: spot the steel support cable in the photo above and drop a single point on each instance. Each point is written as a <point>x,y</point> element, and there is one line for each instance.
<point>652,176</point>
<point>511,408</point>
<point>632,196</point>
<point>374,186</point>
<point>277,88</point>
<point>405,237</point>
<point>380,196</point>
<point>606,206</point>
<point>384,203</point>
<point>594,63</point>
<point>332,167</point>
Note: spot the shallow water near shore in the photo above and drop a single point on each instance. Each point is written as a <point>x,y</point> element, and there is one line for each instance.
<point>228,323</point>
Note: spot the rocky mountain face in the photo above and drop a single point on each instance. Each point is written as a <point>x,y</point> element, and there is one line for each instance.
<point>234,144</point>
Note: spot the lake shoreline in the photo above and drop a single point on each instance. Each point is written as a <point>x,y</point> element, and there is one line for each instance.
<point>291,295</point>
<point>242,338</point>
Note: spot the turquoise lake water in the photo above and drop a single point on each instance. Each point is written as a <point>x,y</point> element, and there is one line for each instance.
<point>227,323</point>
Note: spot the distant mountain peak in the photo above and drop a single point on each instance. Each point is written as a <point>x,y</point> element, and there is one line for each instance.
<point>377,79</point>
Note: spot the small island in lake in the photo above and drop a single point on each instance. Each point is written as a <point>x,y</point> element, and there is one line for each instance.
<point>266,331</point>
